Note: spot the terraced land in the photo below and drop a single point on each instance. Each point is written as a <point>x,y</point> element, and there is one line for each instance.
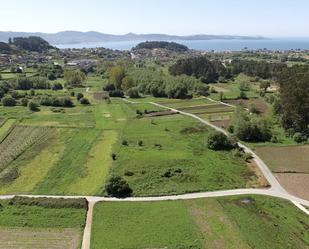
<point>230,222</point>
<point>40,225</point>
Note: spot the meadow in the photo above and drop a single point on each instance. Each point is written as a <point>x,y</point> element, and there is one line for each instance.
<point>229,222</point>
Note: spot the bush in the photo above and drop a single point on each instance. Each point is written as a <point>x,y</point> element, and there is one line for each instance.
<point>140,143</point>
<point>114,156</point>
<point>133,92</point>
<point>57,86</point>
<point>116,186</point>
<point>24,102</point>
<point>79,96</point>
<point>84,101</point>
<point>33,106</point>
<point>8,101</point>
<point>299,138</point>
<point>125,142</point>
<point>116,93</point>
<point>219,141</point>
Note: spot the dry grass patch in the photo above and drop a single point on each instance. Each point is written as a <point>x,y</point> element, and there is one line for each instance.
<point>21,238</point>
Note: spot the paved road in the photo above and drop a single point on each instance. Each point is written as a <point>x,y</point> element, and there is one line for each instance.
<point>276,190</point>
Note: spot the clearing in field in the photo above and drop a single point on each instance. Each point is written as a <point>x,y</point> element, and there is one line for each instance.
<point>290,165</point>
<point>230,222</point>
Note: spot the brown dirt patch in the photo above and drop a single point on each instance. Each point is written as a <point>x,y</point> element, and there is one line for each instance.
<point>21,238</point>
<point>259,103</point>
<point>162,113</point>
<point>201,107</point>
<point>296,184</point>
<point>259,180</point>
<point>286,159</point>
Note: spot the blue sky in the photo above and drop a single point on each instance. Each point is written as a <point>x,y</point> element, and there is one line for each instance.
<point>272,18</point>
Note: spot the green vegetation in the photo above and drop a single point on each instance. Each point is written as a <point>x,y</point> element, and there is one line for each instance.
<point>231,222</point>
<point>37,216</point>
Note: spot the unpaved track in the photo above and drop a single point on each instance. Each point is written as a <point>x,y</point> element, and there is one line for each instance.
<point>276,190</point>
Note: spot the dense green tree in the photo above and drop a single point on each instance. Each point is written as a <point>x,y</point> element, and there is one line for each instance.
<point>74,78</point>
<point>294,96</point>
<point>116,186</point>
<point>116,75</point>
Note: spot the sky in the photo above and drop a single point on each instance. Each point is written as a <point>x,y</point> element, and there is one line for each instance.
<point>270,18</point>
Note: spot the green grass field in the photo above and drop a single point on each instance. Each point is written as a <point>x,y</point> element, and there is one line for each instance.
<point>36,226</point>
<point>231,222</point>
<point>169,148</point>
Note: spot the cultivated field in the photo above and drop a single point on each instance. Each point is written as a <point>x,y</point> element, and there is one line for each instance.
<point>290,165</point>
<point>232,222</point>
<point>41,224</point>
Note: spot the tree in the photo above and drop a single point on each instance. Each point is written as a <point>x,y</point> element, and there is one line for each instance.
<point>8,101</point>
<point>116,75</point>
<point>294,98</point>
<point>127,83</point>
<point>84,101</point>
<point>219,141</point>
<point>249,127</point>
<point>24,102</point>
<point>33,106</point>
<point>133,92</point>
<point>74,78</point>
<point>79,96</point>
<point>116,186</point>
<point>264,85</point>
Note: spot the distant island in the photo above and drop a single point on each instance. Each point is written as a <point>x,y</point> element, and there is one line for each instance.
<point>72,37</point>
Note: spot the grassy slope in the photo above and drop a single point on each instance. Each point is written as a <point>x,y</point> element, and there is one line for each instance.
<point>6,127</point>
<point>263,223</point>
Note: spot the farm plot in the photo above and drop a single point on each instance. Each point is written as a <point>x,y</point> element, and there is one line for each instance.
<point>167,155</point>
<point>20,138</point>
<point>261,106</point>
<point>231,222</point>
<point>5,127</point>
<point>62,117</point>
<point>43,223</point>
<point>290,165</point>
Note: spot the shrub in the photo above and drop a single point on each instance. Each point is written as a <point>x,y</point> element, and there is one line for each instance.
<point>299,138</point>
<point>72,94</point>
<point>140,143</point>
<point>79,96</point>
<point>128,173</point>
<point>116,186</point>
<point>24,102</point>
<point>116,93</point>
<point>114,156</point>
<point>33,106</point>
<point>8,101</point>
<point>84,101</point>
<point>57,86</point>
<point>133,92</point>
<point>125,142</point>
<point>219,141</point>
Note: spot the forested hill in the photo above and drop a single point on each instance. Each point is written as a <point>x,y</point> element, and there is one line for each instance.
<point>172,46</point>
<point>31,44</point>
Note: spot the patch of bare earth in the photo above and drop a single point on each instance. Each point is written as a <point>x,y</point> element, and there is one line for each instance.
<point>295,183</point>
<point>224,123</point>
<point>261,105</point>
<point>161,113</point>
<point>21,238</point>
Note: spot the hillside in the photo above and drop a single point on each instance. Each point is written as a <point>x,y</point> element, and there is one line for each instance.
<point>69,37</point>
